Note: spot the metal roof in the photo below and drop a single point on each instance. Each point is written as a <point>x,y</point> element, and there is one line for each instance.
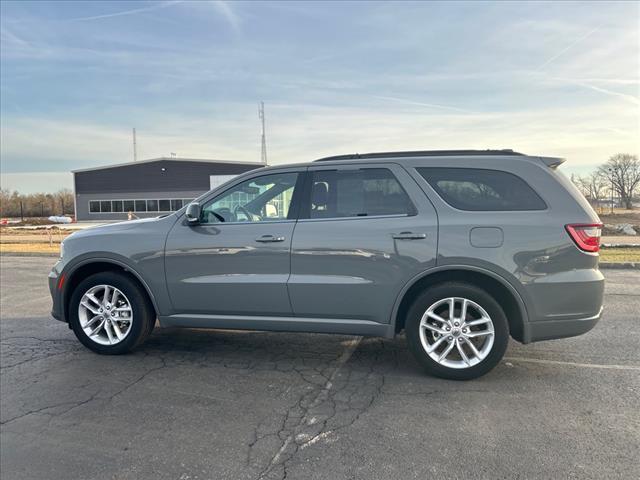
<point>172,159</point>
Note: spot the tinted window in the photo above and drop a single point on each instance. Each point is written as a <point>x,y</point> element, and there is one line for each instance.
<point>128,205</point>
<point>105,206</point>
<point>261,199</point>
<point>482,190</point>
<point>164,205</point>
<point>357,193</point>
<point>141,206</point>
<point>94,206</point>
<point>116,205</point>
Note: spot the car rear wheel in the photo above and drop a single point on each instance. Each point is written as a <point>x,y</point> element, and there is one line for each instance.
<point>110,313</point>
<point>457,331</point>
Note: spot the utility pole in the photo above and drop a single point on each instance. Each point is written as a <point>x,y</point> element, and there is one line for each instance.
<point>611,175</point>
<point>135,149</point>
<point>263,152</point>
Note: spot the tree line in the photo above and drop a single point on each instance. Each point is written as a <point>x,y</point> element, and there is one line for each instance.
<point>15,204</point>
<point>619,177</point>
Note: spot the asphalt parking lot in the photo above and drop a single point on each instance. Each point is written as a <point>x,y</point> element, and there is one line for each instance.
<point>247,405</point>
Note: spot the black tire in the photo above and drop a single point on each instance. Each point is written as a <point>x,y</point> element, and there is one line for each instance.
<point>471,292</point>
<point>143,314</point>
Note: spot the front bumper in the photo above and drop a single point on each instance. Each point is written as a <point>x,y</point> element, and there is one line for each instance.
<point>552,329</point>
<point>57,309</point>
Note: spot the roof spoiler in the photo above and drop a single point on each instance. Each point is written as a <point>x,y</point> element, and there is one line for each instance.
<point>552,162</point>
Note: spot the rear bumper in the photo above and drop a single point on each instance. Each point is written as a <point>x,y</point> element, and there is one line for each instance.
<point>552,329</point>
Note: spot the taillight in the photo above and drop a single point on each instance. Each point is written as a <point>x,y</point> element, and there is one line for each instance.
<point>586,235</point>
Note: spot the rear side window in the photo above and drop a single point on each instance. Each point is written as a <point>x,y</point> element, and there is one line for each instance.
<point>482,190</point>
<point>357,193</point>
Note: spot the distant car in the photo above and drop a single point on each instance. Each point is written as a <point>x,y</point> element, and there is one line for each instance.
<point>460,249</point>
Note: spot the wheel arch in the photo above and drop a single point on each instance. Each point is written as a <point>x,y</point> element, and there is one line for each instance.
<point>88,267</point>
<point>494,284</point>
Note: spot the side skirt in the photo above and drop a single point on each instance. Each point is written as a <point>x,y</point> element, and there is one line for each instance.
<point>280,324</point>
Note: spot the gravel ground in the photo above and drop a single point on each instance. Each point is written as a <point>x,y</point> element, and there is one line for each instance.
<point>248,405</point>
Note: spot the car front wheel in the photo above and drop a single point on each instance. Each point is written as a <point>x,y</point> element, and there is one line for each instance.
<point>110,313</point>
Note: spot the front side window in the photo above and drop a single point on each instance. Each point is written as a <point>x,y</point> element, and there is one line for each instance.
<point>478,189</point>
<point>261,199</point>
<point>357,193</point>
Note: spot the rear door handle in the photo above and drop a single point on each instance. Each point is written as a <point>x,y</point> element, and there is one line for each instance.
<point>269,239</point>
<point>409,236</point>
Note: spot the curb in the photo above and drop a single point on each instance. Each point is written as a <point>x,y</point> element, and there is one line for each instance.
<point>620,245</point>
<point>620,265</point>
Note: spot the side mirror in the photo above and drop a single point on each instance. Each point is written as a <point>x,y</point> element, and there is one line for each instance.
<point>193,213</point>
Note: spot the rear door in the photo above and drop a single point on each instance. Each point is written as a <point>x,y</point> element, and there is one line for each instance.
<point>363,233</point>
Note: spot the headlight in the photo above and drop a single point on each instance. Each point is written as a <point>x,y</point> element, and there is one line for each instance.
<point>61,249</point>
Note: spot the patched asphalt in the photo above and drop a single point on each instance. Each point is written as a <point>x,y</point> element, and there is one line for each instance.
<point>201,404</point>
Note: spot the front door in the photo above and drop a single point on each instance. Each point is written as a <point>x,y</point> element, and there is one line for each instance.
<point>236,261</point>
<point>363,233</point>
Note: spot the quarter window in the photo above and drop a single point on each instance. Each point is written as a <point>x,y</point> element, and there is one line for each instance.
<point>357,193</point>
<point>482,190</point>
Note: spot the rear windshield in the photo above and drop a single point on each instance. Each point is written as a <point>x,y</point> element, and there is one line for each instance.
<point>478,189</point>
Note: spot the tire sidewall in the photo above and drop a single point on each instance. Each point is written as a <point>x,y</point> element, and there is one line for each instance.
<point>471,292</point>
<point>139,307</point>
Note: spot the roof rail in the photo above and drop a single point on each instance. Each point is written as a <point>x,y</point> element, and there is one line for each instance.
<point>420,153</point>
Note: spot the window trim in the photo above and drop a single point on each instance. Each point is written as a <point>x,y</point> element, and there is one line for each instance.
<point>305,208</point>
<point>292,216</point>
<point>440,197</point>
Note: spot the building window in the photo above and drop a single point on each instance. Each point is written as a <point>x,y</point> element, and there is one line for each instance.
<point>152,205</point>
<point>118,206</point>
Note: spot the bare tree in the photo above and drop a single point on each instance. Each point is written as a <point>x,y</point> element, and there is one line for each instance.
<point>593,186</point>
<point>623,172</point>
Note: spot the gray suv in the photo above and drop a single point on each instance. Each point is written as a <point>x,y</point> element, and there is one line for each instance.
<point>458,249</point>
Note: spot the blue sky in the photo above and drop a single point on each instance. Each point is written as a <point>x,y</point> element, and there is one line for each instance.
<point>545,78</point>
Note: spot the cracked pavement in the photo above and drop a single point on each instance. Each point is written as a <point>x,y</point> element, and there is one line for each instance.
<point>211,404</point>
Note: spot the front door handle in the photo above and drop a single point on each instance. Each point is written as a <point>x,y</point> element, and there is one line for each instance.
<point>409,236</point>
<point>269,239</point>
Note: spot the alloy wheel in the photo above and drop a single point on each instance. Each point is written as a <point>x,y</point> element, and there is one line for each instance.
<point>105,315</point>
<point>456,332</point>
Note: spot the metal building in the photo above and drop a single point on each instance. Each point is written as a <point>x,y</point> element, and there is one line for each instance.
<point>148,188</point>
